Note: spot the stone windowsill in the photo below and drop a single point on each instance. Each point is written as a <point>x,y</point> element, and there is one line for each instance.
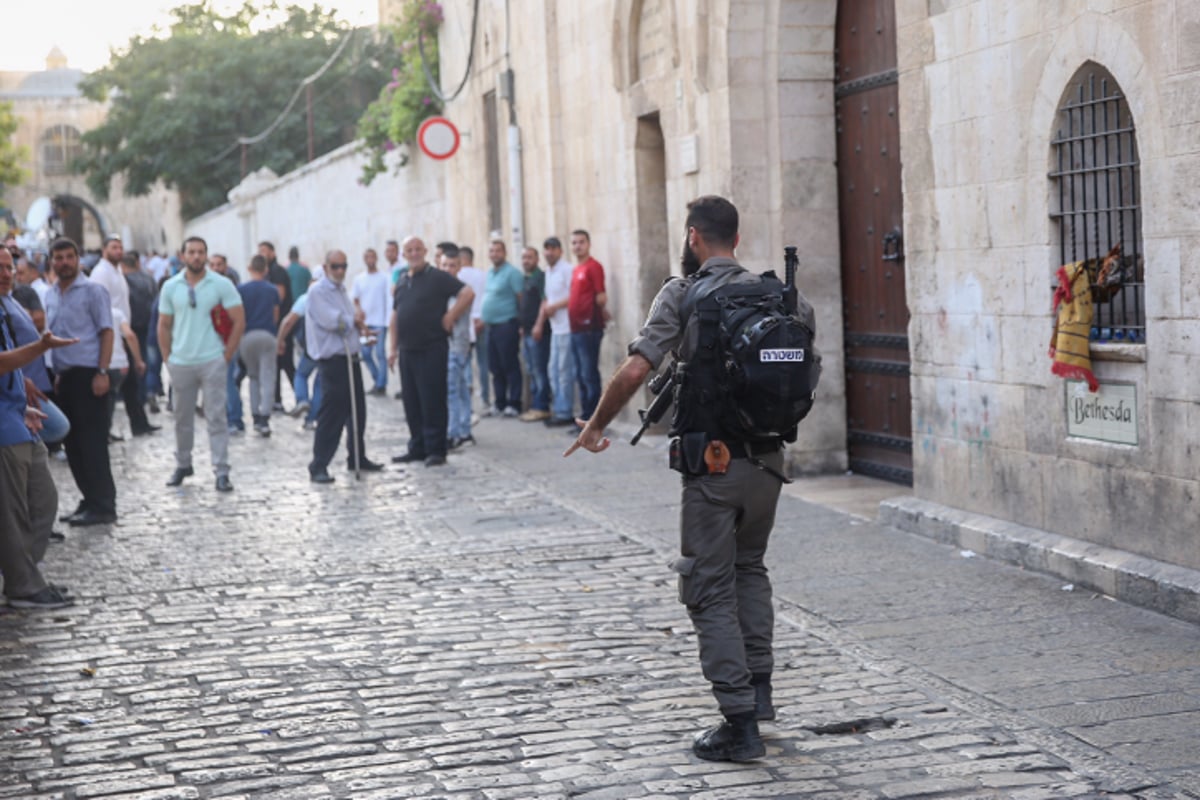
<point>1107,351</point>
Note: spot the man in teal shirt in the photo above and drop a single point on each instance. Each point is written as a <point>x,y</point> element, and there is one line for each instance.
<point>196,357</point>
<point>298,274</point>
<point>501,300</point>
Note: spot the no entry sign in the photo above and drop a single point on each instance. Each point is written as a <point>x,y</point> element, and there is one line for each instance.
<point>438,138</point>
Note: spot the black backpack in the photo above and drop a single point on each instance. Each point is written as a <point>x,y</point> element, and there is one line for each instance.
<point>755,367</point>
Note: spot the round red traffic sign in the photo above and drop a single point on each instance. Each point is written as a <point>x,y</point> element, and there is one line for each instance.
<point>438,138</point>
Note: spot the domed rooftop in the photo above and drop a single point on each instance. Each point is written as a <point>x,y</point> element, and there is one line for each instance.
<point>62,82</point>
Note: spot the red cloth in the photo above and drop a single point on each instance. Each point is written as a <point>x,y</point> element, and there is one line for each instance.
<point>586,282</point>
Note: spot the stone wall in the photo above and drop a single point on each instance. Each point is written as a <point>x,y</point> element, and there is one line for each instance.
<point>980,86</point>
<point>626,110</point>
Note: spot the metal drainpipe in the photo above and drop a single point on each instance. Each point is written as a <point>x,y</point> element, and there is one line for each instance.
<point>516,193</point>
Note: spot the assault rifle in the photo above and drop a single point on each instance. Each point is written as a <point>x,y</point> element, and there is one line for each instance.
<point>662,387</point>
<point>790,262</point>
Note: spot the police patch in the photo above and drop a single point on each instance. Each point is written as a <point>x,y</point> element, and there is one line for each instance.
<point>781,354</point>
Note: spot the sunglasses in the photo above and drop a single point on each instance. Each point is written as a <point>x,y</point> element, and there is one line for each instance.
<point>192,296</point>
<point>341,265</point>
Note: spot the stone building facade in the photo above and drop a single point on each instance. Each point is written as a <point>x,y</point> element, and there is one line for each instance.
<point>624,111</point>
<point>1035,134</point>
<point>52,115</point>
<point>922,154</point>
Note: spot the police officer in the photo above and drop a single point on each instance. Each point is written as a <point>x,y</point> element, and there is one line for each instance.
<point>728,513</point>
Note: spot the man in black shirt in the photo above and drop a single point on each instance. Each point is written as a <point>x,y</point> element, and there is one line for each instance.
<point>142,292</point>
<point>420,329</point>
<point>279,276</point>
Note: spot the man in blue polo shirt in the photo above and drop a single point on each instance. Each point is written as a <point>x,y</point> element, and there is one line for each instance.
<point>197,358</point>
<point>81,309</point>
<point>28,498</point>
<point>501,299</point>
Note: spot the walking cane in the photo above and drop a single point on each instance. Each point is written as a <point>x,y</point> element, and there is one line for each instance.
<point>353,411</point>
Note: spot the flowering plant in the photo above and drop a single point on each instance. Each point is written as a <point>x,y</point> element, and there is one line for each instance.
<point>392,119</point>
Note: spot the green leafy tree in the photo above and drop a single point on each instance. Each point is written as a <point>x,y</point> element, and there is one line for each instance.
<point>179,102</point>
<point>406,101</point>
<point>11,156</point>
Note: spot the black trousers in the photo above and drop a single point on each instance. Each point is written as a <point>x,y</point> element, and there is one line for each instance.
<point>423,381</point>
<point>334,414</point>
<point>504,360</point>
<point>87,443</point>
<point>132,394</point>
<point>285,363</point>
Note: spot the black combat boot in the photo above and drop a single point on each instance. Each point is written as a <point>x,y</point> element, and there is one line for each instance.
<point>764,709</point>
<point>735,739</point>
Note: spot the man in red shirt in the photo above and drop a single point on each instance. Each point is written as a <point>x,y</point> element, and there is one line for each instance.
<point>586,309</point>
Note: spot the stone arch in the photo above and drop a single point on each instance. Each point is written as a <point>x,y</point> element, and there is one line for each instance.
<point>630,38</point>
<point>1093,37</point>
<point>1098,38</point>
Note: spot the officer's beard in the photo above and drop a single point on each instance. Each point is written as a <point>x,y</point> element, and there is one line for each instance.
<point>689,261</point>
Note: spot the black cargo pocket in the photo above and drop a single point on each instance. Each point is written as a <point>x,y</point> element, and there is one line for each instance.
<point>687,589</point>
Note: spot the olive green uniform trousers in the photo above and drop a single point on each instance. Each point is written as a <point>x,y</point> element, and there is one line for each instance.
<point>725,523</point>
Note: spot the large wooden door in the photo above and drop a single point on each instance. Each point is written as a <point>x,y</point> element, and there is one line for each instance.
<point>878,397</point>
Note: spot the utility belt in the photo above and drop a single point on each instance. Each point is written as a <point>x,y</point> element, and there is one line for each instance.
<point>696,454</point>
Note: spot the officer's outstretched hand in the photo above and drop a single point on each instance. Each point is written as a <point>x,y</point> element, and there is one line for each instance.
<point>589,439</point>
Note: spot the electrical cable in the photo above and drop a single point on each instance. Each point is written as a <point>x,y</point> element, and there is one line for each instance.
<point>433,86</point>
<point>244,140</point>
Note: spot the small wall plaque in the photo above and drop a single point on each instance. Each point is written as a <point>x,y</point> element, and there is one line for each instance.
<point>689,154</point>
<point>1107,415</point>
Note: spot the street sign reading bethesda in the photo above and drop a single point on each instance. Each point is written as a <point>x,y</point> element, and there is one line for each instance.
<point>1108,415</point>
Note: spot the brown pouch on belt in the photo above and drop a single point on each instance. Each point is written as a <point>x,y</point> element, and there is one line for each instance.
<point>716,457</point>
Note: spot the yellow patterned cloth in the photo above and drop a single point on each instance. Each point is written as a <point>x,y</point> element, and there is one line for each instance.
<point>1073,324</point>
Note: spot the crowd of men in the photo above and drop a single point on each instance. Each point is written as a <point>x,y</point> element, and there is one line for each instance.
<point>423,317</point>
<point>81,334</point>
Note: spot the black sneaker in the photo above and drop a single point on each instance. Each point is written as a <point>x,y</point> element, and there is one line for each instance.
<point>735,739</point>
<point>407,458</point>
<point>435,461</point>
<point>48,598</point>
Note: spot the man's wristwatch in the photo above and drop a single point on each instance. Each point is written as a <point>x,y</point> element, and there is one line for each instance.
<point>102,371</point>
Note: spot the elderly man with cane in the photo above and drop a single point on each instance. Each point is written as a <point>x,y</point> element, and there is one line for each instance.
<point>332,330</point>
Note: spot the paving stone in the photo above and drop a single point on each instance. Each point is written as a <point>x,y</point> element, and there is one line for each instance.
<point>499,630</point>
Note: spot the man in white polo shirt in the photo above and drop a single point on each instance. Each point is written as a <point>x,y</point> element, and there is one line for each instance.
<point>562,362</point>
<point>196,357</point>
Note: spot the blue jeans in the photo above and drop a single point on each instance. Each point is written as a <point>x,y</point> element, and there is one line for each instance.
<point>537,358</point>
<point>562,376</point>
<point>55,426</point>
<point>458,394</point>
<point>375,357</point>
<point>585,347</point>
<point>305,368</point>
<point>233,395</point>
<point>154,384</point>
<point>481,362</point>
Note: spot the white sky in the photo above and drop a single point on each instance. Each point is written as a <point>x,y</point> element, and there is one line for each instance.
<point>85,30</point>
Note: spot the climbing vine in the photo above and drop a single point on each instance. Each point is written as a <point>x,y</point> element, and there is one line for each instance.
<point>391,121</point>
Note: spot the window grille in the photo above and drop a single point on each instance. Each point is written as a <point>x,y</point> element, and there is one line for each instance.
<point>1097,186</point>
<point>60,146</point>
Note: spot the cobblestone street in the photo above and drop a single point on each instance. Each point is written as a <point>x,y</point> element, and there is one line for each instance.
<point>496,628</point>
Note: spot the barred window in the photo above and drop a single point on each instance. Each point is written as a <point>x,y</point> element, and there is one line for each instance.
<point>60,146</point>
<point>1096,189</point>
